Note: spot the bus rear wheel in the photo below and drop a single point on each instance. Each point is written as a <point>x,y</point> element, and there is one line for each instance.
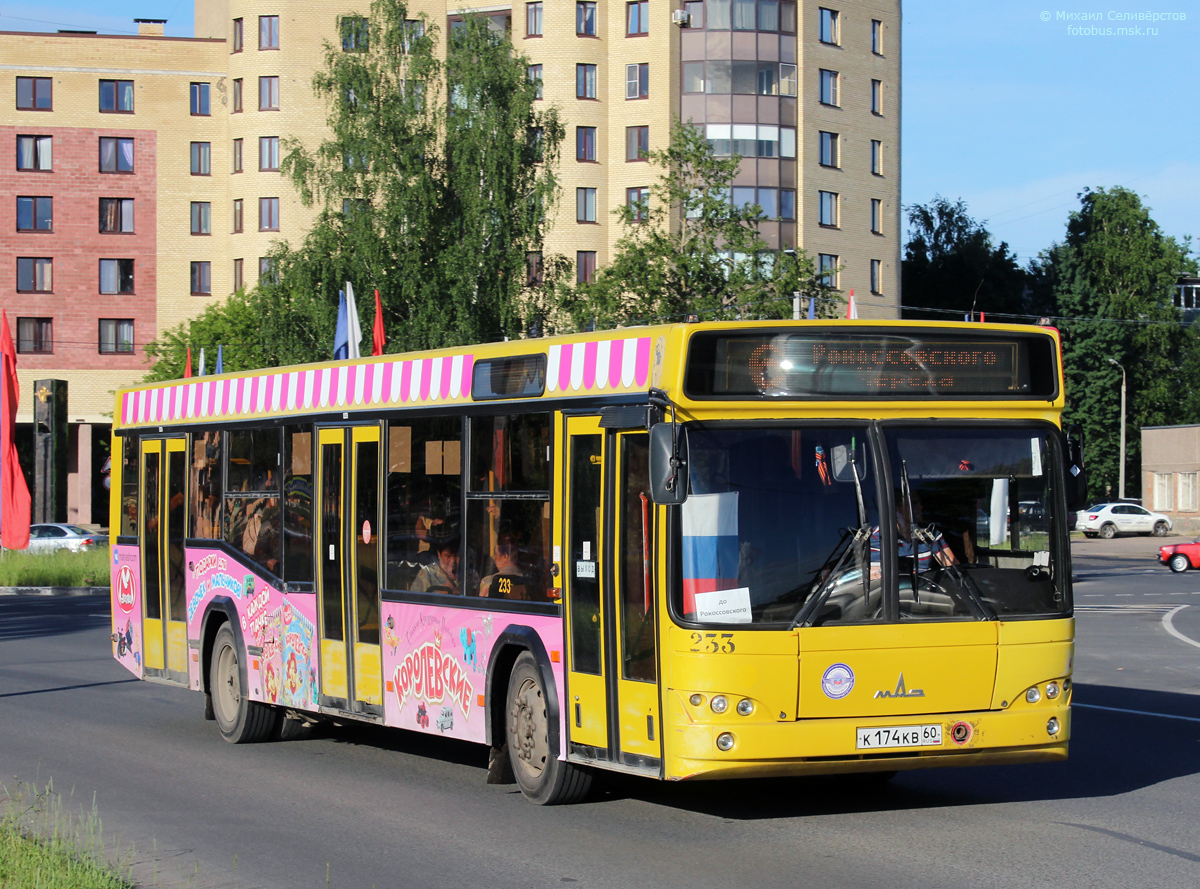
<point>542,776</point>
<point>239,719</point>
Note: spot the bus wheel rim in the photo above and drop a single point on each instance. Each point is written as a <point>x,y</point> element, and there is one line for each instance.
<point>529,735</point>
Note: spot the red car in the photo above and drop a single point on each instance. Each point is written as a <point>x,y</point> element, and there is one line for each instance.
<point>1179,557</point>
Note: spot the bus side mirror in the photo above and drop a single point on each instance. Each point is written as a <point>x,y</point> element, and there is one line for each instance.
<point>668,464</point>
<point>1073,471</point>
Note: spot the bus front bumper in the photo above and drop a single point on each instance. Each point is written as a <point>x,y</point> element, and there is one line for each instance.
<point>828,746</point>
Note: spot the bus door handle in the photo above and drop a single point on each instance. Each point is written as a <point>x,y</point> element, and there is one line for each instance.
<point>332,553</point>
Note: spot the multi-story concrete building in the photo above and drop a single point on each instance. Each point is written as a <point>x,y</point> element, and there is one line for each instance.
<point>147,184</point>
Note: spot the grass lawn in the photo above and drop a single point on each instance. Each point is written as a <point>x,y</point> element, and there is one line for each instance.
<point>62,568</point>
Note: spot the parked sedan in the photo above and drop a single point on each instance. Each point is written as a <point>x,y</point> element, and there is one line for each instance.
<point>1110,519</point>
<point>50,537</point>
<point>1179,557</point>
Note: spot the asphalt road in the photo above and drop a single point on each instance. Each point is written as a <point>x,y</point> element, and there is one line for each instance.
<point>364,807</point>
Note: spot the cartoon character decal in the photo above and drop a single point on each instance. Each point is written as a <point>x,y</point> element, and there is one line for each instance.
<point>422,715</point>
<point>445,720</point>
<point>271,683</point>
<point>124,639</point>
<point>468,645</point>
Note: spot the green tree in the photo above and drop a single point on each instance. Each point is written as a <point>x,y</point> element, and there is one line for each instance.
<point>690,250</point>
<point>952,264</point>
<point>1112,279</point>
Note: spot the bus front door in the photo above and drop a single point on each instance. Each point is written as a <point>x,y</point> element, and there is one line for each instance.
<point>612,691</point>
<point>348,580</point>
<point>163,466</point>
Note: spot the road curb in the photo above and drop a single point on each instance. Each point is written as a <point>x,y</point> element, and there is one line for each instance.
<point>53,590</point>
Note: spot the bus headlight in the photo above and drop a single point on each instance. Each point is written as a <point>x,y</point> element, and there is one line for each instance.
<point>1033,695</point>
<point>696,700</point>
<point>719,704</point>
<point>1052,690</point>
<point>725,741</point>
<point>745,707</point>
<point>1051,726</point>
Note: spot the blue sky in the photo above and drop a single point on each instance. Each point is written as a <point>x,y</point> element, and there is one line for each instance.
<point>1012,113</point>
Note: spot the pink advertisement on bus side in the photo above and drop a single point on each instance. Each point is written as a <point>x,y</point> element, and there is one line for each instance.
<point>126,592</point>
<point>435,662</point>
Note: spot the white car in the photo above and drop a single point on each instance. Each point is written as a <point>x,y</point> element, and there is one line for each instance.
<point>50,537</point>
<point>1110,519</point>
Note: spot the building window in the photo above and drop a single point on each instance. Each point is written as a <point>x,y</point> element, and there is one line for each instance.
<point>200,96</point>
<point>787,17</point>
<point>201,218</point>
<point>35,152</point>
<point>268,32</point>
<point>116,335</point>
<point>743,18</point>
<point>116,155</point>
<point>116,96</point>
<point>877,276</point>
<point>35,94</point>
<point>585,266</point>
<point>585,143</point>
<point>534,72</point>
<point>268,272</point>
<point>637,18</point>
<point>239,274</point>
<point>787,80</point>
<point>1188,491</point>
<point>585,18</point>
<point>876,216</point>
<point>828,87</point>
<point>268,214</point>
<point>35,274</point>
<point>787,204</point>
<point>356,34</point>
<point>238,35</point>
<point>237,95</point>
<point>116,216</point>
<point>201,158</point>
<point>637,143</point>
<point>237,216</point>
<point>268,94</point>
<point>877,37</point>
<point>533,19</point>
<point>585,81</point>
<point>877,97</point>
<point>35,335</point>
<point>637,81</point>
<point>201,278</point>
<point>237,155</point>
<point>1187,296</point>
<point>827,208</point>
<point>116,276</point>
<point>35,214</point>
<point>1163,492</point>
<point>695,13</point>
<point>638,200</point>
<point>693,77</point>
<point>585,205</point>
<point>828,26</point>
<point>268,153</point>
<point>876,157</point>
<point>827,265</point>
<point>828,150</point>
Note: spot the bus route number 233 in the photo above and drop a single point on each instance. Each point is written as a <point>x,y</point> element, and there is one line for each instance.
<point>713,643</point>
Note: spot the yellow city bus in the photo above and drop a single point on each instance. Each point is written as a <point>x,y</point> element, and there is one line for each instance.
<point>696,551</point>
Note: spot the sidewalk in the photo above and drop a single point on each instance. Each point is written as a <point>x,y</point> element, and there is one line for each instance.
<point>53,590</point>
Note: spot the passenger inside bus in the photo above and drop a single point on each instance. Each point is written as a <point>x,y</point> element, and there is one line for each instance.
<point>440,576</point>
<point>507,582</point>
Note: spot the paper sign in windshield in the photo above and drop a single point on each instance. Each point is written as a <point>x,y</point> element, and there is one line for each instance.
<point>724,606</point>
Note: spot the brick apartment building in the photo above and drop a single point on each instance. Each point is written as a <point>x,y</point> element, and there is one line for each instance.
<point>146,179</point>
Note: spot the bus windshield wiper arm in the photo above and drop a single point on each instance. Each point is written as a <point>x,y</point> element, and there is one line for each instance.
<point>860,535</point>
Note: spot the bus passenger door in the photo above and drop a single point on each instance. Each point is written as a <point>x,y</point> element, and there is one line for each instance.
<point>613,712</point>
<point>348,580</point>
<point>163,466</point>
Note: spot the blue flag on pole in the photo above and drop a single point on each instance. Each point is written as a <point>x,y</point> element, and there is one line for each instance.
<point>220,368</point>
<point>812,308</point>
<point>341,337</point>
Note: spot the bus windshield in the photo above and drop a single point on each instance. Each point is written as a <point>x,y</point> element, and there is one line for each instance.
<point>783,525</point>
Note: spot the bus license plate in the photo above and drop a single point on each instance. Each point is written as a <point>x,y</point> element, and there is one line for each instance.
<point>900,736</point>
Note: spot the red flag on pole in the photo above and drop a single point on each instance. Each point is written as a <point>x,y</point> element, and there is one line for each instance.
<point>187,368</point>
<point>378,338</point>
<point>14,493</point>
<point>851,308</point>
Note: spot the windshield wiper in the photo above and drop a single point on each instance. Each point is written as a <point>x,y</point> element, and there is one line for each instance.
<point>861,534</point>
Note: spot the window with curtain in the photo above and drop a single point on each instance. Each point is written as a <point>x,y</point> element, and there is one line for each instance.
<point>585,18</point>
<point>116,276</point>
<point>201,158</point>
<point>585,143</point>
<point>743,15</point>
<point>116,96</point>
<point>116,155</point>
<point>533,19</point>
<point>35,274</point>
<point>585,81</point>
<point>201,218</point>
<point>116,215</point>
<point>116,335</point>
<point>268,32</point>
<point>268,94</point>
<point>201,278</point>
<point>268,153</point>
<point>239,34</point>
<point>35,335</point>
<point>35,152</point>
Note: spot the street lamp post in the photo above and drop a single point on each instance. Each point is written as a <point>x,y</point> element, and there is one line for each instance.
<point>1121,493</point>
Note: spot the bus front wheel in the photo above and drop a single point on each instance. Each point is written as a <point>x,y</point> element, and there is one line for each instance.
<point>239,719</point>
<point>543,777</point>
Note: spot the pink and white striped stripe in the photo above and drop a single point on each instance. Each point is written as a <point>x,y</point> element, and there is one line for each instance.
<point>600,365</point>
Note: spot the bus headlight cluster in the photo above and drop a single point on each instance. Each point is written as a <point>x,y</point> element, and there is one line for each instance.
<point>745,707</point>
<point>719,704</point>
<point>725,741</point>
<point>1051,726</point>
<point>1033,695</point>
<point>696,700</point>
<point>1052,690</point>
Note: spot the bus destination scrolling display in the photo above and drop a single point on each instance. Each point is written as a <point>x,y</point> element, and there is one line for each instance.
<point>910,365</point>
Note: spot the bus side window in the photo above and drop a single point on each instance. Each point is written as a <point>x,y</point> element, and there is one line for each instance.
<point>508,548</point>
<point>297,504</point>
<point>206,485</point>
<point>253,519</point>
<point>129,486</point>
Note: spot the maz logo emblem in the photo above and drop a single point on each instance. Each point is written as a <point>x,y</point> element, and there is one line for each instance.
<point>900,691</point>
